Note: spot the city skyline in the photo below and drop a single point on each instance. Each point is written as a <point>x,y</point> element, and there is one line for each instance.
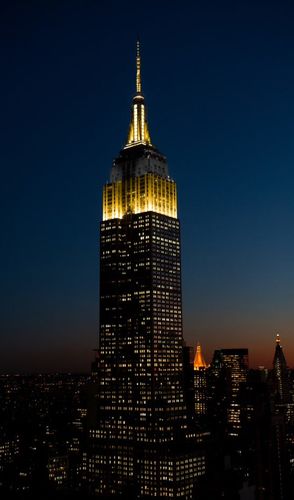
<point>231,154</point>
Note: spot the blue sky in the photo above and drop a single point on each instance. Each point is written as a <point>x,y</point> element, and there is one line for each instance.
<point>218,78</point>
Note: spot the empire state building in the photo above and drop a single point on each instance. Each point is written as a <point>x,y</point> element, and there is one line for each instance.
<point>141,444</point>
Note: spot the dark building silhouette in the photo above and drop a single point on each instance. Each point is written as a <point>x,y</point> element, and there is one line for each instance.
<point>231,367</point>
<point>280,374</point>
<point>188,370</point>
<point>266,431</point>
<point>41,434</point>
<point>282,423</point>
<point>141,445</point>
<point>224,379</point>
<point>200,383</point>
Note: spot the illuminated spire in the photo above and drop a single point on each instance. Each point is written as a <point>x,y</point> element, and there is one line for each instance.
<point>199,361</point>
<point>138,131</point>
<point>278,340</point>
<point>138,74</point>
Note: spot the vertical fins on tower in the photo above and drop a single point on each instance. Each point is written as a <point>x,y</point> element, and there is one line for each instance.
<point>138,130</point>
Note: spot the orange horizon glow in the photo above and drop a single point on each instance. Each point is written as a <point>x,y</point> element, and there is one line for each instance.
<point>258,355</point>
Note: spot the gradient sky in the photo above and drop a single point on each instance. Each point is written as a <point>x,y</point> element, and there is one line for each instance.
<point>219,84</point>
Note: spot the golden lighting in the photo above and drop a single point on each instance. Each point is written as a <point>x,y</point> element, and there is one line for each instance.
<point>199,361</point>
<point>146,193</point>
<point>138,74</point>
<point>138,131</point>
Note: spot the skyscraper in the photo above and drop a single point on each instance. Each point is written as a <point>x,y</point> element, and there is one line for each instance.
<point>200,382</point>
<point>199,361</point>
<point>141,443</point>
<point>232,366</point>
<point>282,422</point>
<point>281,374</point>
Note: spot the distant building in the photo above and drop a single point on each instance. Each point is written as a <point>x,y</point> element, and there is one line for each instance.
<point>231,365</point>
<point>200,382</point>
<point>199,362</point>
<point>282,424</point>
<point>281,375</point>
<point>188,372</point>
<point>9,450</point>
<point>58,471</point>
<point>265,434</point>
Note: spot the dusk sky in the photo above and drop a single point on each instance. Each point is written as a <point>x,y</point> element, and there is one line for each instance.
<point>218,78</point>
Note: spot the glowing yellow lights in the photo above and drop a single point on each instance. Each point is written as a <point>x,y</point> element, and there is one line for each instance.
<point>135,123</point>
<point>143,124</point>
<point>148,192</point>
<point>138,131</point>
<point>199,361</point>
<point>138,75</point>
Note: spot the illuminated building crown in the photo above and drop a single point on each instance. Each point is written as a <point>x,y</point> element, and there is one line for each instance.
<point>199,361</point>
<point>139,180</point>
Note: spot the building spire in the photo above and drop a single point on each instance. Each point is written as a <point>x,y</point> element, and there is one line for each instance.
<point>281,373</point>
<point>199,361</point>
<point>138,130</point>
<point>138,75</point>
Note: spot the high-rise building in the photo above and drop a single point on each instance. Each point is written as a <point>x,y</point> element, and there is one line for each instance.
<point>199,361</point>
<point>232,366</point>
<point>200,382</point>
<point>141,445</point>
<point>188,370</point>
<point>283,420</point>
<point>281,378</point>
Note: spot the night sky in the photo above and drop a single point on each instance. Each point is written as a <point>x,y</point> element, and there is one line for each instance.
<point>218,78</point>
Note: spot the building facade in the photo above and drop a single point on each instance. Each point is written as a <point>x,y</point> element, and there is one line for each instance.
<point>200,382</point>
<point>142,445</point>
<point>231,365</point>
<point>281,375</point>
